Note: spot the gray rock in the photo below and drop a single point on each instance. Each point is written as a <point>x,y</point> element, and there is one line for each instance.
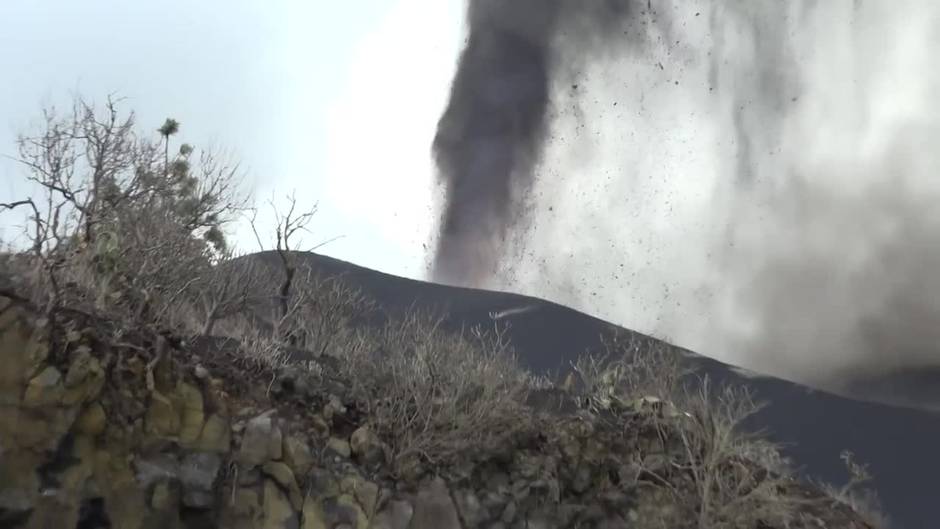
<point>395,515</point>
<point>471,510</point>
<point>278,513</point>
<point>333,408</point>
<point>201,372</point>
<point>44,389</point>
<point>282,474</point>
<point>292,380</point>
<point>262,441</point>
<point>341,510</point>
<point>541,520</point>
<point>198,472</point>
<point>582,480</point>
<point>546,489</point>
<point>248,476</point>
<point>521,490</point>
<point>321,482</point>
<point>494,503</point>
<point>509,513</point>
<point>566,513</point>
<point>160,467</point>
<point>297,455</point>
<point>498,482</point>
<point>15,502</point>
<point>593,513</point>
<point>434,508</point>
<point>338,447</point>
<point>614,522</point>
<point>366,446</point>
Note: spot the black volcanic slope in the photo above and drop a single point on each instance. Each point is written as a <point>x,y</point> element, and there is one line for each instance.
<point>900,445</point>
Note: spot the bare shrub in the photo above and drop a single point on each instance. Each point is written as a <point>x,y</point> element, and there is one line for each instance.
<point>294,295</point>
<point>119,225</point>
<point>738,477</point>
<point>329,313</point>
<point>434,394</point>
<point>260,352</point>
<point>719,474</point>
<point>857,494</point>
<point>734,476</point>
<point>224,294</point>
<point>630,365</point>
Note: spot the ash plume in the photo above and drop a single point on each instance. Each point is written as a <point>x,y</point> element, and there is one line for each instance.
<point>754,180</point>
<point>490,138</point>
<point>490,135</point>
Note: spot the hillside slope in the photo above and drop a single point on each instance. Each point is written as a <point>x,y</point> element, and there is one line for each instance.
<point>149,431</point>
<point>899,444</point>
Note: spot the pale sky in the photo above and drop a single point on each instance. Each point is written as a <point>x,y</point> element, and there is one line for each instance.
<point>334,100</point>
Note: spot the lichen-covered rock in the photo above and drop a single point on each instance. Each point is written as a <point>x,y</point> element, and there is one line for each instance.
<point>434,509</point>
<point>322,483</point>
<point>165,496</point>
<point>24,353</point>
<point>216,397</point>
<point>162,419</point>
<point>313,515</point>
<point>282,474</point>
<point>338,447</point>
<point>262,441</point>
<point>278,513</point>
<point>297,454</point>
<point>92,420</point>
<point>44,389</point>
<point>334,511</point>
<point>157,468</point>
<point>242,509</point>
<point>84,378</point>
<point>319,425</point>
<point>334,406</point>
<point>366,446</point>
<point>365,492</point>
<point>164,505</point>
<point>192,414</point>
<point>216,435</point>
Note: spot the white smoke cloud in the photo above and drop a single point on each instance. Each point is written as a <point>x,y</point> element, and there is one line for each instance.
<point>760,184</point>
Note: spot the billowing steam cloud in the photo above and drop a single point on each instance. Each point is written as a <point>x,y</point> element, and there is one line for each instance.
<point>755,180</point>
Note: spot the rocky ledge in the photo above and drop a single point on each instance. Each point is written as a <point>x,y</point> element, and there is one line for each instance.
<point>137,430</point>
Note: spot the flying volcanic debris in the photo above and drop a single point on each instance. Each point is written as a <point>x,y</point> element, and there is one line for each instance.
<point>753,180</point>
<point>490,137</point>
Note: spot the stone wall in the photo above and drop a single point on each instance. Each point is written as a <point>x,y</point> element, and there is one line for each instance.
<point>115,435</point>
